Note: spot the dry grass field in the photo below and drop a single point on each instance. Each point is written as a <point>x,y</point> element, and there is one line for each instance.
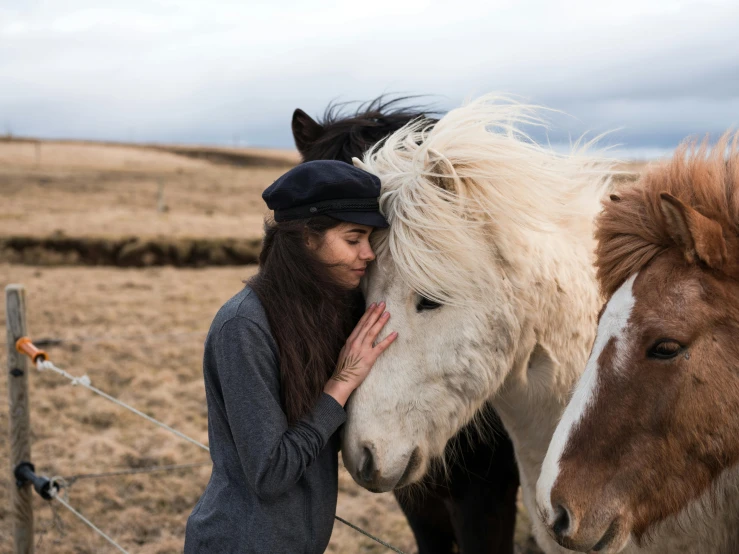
<point>89,190</point>
<point>137,333</point>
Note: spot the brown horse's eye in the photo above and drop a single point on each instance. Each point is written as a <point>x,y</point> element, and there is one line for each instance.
<point>665,349</point>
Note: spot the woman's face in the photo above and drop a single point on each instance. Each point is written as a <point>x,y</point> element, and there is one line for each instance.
<point>346,250</point>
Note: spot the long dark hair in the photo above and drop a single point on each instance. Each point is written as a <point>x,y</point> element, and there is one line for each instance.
<point>309,313</point>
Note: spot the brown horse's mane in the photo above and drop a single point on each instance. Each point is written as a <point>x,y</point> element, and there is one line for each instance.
<point>631,229</point>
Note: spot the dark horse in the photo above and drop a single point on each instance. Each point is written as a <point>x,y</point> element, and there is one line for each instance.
<point>474,507</point>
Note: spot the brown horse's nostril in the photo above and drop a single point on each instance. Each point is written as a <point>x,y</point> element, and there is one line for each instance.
<point>607,537</point>
<point>367,469</point>
<point>561,525</point>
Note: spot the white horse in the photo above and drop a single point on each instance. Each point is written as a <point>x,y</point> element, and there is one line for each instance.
<point>487,271</point>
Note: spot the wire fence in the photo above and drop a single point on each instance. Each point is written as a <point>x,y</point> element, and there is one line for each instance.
<point>55,495</point>
<point>62,485</point>
<point>57,484</point>
<point>72,479</point>
<point>47,342</point>
<point>84,381</point>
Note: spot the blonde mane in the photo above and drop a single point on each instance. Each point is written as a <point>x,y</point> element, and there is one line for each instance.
<point>454,189</point>
<point>631,231</point>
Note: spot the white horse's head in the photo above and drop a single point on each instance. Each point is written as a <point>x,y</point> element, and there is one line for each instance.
<point>465,200</point>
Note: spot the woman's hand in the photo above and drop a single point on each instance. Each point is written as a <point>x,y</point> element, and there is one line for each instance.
<point>359,355</point>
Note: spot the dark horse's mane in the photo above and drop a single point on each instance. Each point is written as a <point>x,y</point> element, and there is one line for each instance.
<point>342,133</point>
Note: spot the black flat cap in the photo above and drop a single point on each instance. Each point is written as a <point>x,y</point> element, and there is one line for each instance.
<point>326,187</point>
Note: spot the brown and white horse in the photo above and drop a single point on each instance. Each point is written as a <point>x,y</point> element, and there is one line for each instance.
<point>645,456</point>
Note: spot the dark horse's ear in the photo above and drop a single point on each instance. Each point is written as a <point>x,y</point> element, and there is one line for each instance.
<point>306,131</point>
<point>700,237</point>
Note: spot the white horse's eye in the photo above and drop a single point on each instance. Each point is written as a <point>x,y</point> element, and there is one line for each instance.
<point>426,304</point>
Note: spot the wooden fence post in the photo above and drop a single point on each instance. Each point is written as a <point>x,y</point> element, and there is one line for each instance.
<point>21,507</point>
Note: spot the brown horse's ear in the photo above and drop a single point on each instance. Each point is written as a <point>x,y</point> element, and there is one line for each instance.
<point>306,130</point>
<point>700,237</point>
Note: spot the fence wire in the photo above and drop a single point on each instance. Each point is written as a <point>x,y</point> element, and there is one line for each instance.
<point>84,381</point>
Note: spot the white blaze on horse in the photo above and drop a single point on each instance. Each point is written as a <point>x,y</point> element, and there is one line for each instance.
<point>645,456</point>
<point>487,271</point>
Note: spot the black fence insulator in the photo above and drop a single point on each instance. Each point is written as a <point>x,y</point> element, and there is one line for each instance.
<point>25,473</point>
<point>45,343</point>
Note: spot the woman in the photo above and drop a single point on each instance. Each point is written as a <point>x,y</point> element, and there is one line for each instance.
<point>276,374</point>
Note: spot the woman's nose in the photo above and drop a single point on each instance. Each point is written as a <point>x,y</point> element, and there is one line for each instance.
<point>367,254</point>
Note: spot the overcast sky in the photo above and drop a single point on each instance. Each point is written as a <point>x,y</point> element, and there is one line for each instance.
<point>217,71</point>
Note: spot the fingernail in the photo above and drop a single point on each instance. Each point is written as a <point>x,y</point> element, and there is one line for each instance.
<point>386,314</point>
<point>372,305</point>
<point>382,303</point>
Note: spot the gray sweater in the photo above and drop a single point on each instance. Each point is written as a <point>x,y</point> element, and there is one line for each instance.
<point>273,487</point>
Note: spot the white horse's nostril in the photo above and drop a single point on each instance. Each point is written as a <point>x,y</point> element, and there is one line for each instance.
<point>367,469</point>
<point>413,464</point>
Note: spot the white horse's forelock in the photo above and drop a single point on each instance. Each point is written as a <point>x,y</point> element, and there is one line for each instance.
<point>471,180</point>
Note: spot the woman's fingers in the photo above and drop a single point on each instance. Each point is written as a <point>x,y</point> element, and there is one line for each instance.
<point>360,324</point>
<point>376,328</point>
<point>370,321</point>
<point>358,355</point>
<point>384,343</point>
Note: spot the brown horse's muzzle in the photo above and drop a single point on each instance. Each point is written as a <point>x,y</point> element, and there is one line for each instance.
<point>586,521</point>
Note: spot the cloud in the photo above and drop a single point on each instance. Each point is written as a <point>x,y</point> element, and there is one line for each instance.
<point>194,72</point>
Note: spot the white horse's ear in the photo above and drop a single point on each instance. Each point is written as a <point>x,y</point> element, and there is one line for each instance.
<point>360,164</point>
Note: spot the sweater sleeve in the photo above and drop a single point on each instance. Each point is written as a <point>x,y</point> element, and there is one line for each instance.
<point>273,455</point>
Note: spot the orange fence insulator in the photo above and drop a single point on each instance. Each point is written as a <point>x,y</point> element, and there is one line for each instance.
<point>25,346</point>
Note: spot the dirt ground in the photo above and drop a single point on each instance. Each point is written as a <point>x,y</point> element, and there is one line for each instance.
<point>165,312</point>
<point>89,190</point>
<point>138,334</point>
